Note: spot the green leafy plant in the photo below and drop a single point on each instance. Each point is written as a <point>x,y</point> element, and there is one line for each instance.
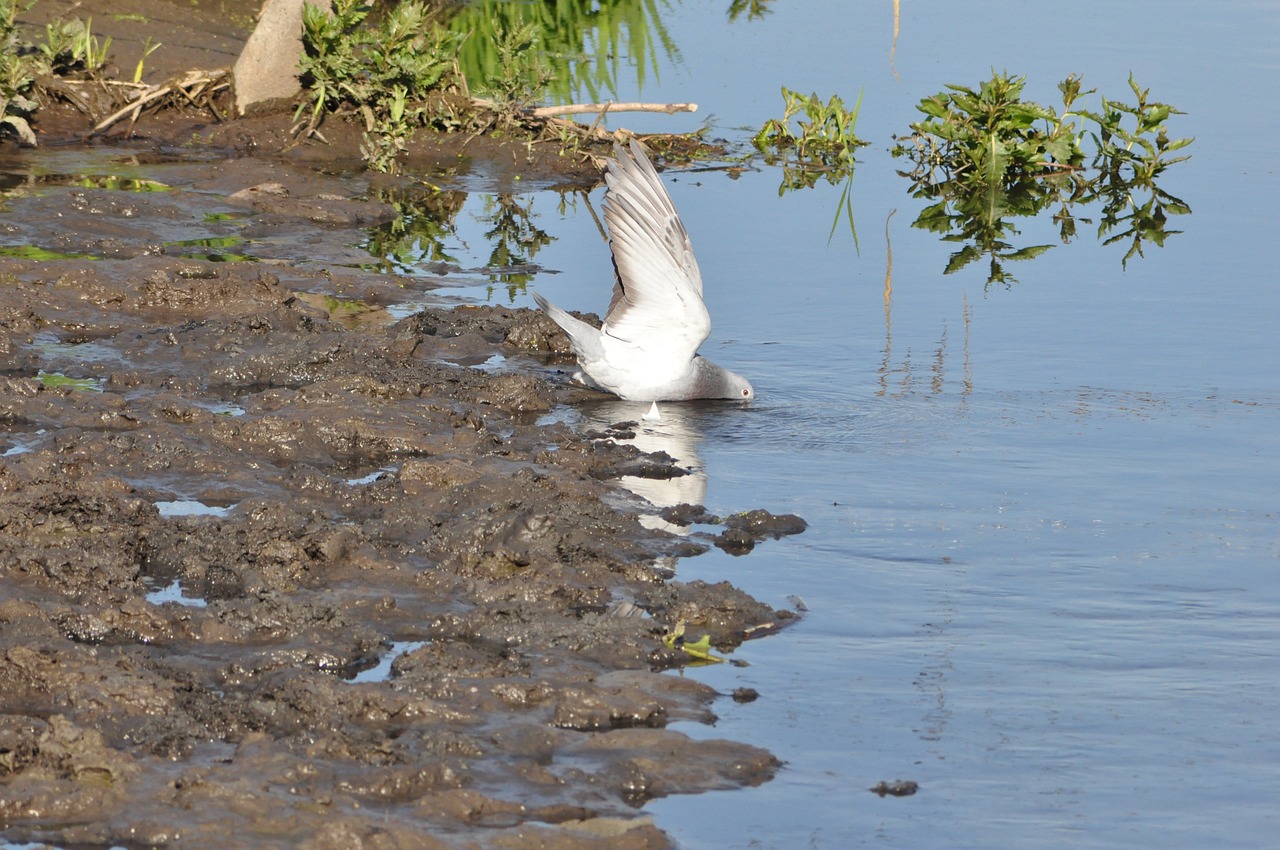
<point>147,49</point>
<point>1129,159</point>
<point>381,74</point>
<point>991,136</point>
<point>56,49</point>
<point>71,47</point>
<point>17,77</point>
<point>86,48</point>
<point>985,157</point>
<point>814,141</point>
<point>1151,157</point>
<point>824,138</point>
<point>521,73</point>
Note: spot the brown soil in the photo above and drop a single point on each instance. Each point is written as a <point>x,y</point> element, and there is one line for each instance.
<point>378,489</point>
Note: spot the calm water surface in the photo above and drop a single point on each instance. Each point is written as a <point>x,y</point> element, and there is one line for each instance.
<point>1044,537</point>
<point>1043,550</point>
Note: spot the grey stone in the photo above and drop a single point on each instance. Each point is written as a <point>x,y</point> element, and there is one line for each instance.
<point>267,70</point>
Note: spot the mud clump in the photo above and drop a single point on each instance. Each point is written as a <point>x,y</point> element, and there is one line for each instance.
<point>237,510</point>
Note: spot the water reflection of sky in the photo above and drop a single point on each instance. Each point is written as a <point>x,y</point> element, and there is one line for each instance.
<point>1042,520</point>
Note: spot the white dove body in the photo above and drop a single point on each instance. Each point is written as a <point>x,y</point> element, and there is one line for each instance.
<point>646,350</point>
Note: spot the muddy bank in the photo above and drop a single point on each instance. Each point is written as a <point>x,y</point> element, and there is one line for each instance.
<point>220,506</point>
<point>284,562</point>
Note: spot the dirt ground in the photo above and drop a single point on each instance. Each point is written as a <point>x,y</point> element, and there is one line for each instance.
<point>194,680</point>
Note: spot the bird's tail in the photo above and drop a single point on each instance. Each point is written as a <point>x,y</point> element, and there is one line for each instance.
<point>584,338</point>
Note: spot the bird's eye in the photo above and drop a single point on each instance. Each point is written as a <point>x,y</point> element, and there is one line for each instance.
<point>746,393</point>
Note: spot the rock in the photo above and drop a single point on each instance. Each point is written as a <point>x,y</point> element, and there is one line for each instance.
<point>267,69</point>
<point>896,788</point>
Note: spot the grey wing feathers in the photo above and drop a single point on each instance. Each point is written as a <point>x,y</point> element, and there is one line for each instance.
<point>658,277</point>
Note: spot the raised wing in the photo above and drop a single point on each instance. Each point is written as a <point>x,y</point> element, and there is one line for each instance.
<point>657,300</point>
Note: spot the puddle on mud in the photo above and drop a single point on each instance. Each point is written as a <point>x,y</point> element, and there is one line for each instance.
<point>371,477</point>
<point>381,671</point>
<point>89,204</point>
<point>173,592</point>
<point>223,409</point>
<point>191,507</point>
<point>57,350</point>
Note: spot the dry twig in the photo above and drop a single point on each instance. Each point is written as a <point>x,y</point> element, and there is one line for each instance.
<point>192,86</point>
<point>580,108</point>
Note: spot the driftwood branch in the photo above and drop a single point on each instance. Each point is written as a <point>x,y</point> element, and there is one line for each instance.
<point>580,108</point>
<point>548,115</point>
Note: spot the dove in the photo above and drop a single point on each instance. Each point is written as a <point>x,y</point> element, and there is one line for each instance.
<point>647,347</point>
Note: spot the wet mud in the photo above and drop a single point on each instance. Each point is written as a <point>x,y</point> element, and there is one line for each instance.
<point>355,489</point>
<point>283,567</point>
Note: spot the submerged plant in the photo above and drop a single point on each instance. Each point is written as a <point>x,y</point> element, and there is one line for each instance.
<point>985,156</point>
<point>57,380</point>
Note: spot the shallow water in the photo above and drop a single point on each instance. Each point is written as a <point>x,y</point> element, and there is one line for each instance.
<point>1042,546</point>
<point>1043,540</point>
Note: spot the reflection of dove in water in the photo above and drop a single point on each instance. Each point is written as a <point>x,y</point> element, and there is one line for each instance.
<point>675,432</point>
<point>646,349</point>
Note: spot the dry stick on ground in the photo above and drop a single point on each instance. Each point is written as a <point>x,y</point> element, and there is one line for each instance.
<point>579,108</point>
<point>200,82</point>
<point>550,113</point>
<point>547,115</point>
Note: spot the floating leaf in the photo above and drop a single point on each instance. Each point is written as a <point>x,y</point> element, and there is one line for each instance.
<point>699,649</point>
